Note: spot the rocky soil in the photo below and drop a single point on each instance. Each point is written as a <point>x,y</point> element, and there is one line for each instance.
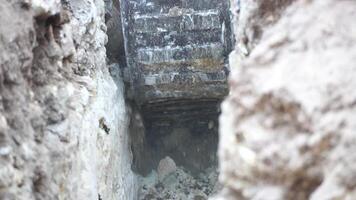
<point>287,129</point>
<point>63,117</point>
<point>180,185</point>
<point>288,126</point>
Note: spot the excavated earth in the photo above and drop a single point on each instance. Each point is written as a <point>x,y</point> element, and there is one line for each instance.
<point>287,129</point>
<point>63,117</point>
<point>89,110</point>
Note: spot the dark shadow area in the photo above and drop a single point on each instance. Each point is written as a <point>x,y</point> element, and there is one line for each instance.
<point>115,47</point>
<point>185,130</point>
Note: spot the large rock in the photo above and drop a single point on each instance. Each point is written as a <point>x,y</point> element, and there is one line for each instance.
<point>166,167</point>
<point>288,125</point>
<point>63,119</point>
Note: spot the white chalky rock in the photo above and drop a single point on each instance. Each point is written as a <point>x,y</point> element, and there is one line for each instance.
<point>42,7</point>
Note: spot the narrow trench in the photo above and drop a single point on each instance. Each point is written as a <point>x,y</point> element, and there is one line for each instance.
<point>174,140</point>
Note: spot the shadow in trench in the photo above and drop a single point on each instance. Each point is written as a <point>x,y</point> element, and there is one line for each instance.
<point>184,130</point>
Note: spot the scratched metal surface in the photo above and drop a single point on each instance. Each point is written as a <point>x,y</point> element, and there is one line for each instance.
<point>177,48</point>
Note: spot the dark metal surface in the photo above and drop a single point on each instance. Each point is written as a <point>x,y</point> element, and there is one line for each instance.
<point>176,48</point>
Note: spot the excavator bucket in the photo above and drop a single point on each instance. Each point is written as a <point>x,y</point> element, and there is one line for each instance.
<point>176,49</point>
